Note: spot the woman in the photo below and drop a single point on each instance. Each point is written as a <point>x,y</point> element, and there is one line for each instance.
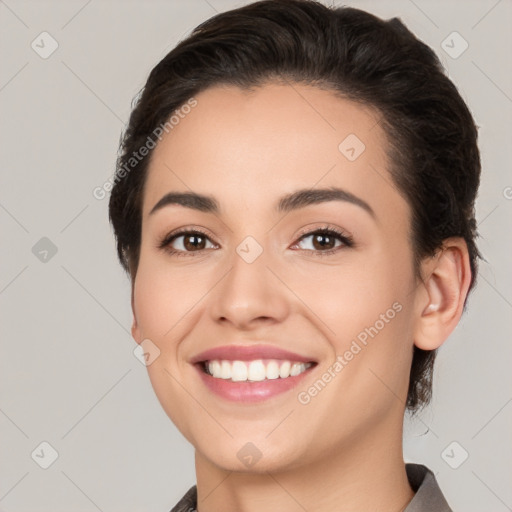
<point>294,204</point>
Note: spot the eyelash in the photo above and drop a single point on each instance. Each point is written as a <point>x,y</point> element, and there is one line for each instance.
<point>346,240</point>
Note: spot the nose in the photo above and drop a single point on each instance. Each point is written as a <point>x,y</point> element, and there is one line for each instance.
<point>249,295</point>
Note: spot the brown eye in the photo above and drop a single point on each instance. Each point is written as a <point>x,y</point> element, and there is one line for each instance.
<point>186,242</point>
<point>323,242</point>
<point>193,242</point>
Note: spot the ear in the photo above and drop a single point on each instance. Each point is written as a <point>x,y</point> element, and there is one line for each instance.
<point>136,332</point>
<point>442,294</point>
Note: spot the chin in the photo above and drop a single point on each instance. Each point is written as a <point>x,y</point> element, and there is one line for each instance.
<point>246,456</point>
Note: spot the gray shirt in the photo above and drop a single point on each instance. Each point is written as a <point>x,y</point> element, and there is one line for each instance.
<point>428,497</point>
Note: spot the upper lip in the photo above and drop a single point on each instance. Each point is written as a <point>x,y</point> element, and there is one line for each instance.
<point>249,353</point>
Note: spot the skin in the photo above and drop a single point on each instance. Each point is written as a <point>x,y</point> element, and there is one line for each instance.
<point>343,450</point>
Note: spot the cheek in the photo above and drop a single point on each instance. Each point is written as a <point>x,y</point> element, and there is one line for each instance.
<point>348,298</point>
<point>366,310</point>
<point>162,296</point>
<point>382,335</point>
<point>162,301</point>
<point>151,299</point>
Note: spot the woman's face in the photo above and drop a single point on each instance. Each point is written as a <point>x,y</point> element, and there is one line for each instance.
<point>282,272</point>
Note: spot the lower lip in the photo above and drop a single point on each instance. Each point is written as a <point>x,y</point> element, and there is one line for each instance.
<point>250,391</point>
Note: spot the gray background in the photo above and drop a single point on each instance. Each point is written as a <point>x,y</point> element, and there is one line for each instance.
<point>68,373</point>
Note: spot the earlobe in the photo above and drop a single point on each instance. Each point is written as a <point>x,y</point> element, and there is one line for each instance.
<point>444,291</point>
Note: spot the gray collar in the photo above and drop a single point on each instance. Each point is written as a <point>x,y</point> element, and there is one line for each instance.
<point>428,497</point>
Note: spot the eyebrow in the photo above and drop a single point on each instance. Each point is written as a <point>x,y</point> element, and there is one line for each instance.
<point>294,201</point>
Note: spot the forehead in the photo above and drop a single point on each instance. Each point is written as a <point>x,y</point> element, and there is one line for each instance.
<point>250,147</point>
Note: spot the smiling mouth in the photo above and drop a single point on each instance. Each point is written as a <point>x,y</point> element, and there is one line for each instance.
<point>254,371</point>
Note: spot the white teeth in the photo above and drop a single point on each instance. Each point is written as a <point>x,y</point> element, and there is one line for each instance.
<point>239,371</point>
<point>255,371</point>
<point>284,371</point>
<point>225,370</point>
<point>296,369</point>
<point>220,370</point>
<point>214,368</point>
<point>272,370</point>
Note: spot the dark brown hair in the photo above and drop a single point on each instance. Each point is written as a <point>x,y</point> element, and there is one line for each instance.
<point>431,134</point>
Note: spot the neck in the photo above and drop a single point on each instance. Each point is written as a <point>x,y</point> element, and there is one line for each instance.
<point>367,474</point>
